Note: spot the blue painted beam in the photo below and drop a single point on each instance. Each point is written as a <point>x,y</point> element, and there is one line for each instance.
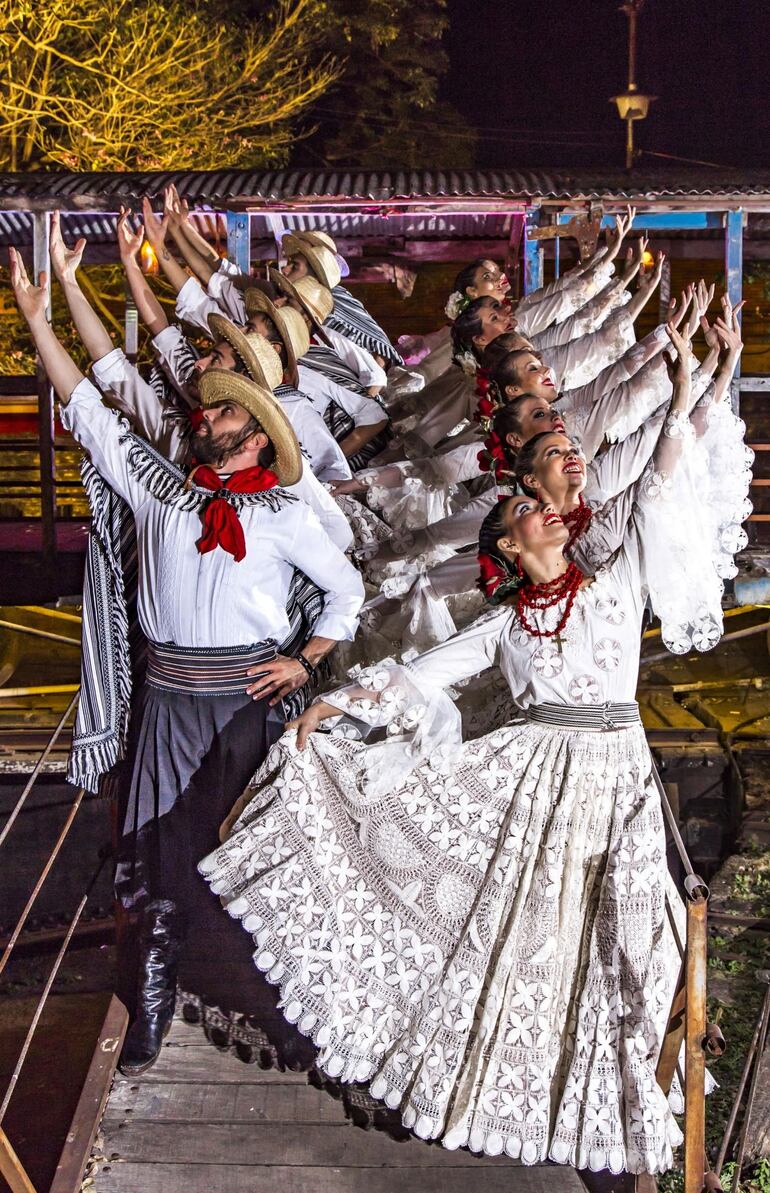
<point>662,220</point>
<point>533,254</point>
<point>734,264</point>
<point>239,239</point>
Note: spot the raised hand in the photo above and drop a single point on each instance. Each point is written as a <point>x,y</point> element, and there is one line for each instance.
<point>155,228</point>
<point>622,227</point>
<point>652,280</point>
<point>701,296</point>
<point>729,333</point>
<point>129,241</point>
<point>680,342</point>
<point>710,334</point>
<point>32,300</point>
<point>65,261</point>
<point>677,311</point>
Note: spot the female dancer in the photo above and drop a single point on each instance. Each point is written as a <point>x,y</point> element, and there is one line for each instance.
<point>480,930</point>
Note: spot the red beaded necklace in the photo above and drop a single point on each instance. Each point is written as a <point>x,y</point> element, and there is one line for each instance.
<point>545,596</point>
<point>577,520</point>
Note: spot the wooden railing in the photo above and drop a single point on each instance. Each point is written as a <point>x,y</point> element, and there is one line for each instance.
<point>79,1139</point>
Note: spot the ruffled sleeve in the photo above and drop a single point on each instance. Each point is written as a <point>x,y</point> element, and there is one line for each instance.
<point>405,712</point>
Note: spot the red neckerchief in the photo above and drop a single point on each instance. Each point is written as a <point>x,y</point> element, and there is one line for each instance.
<point>221,524</point>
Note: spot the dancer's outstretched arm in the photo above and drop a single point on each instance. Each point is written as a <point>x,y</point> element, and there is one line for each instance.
<point>129,243</point>
<point>96,339</point>
<point>32,301</point>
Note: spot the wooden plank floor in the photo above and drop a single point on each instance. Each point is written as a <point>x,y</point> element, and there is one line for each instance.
<point>203,1122</point>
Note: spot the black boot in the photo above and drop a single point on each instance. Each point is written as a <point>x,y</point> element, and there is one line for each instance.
<point>160,940</point>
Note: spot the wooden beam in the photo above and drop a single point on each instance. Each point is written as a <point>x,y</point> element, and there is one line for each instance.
<point>93,1099</point>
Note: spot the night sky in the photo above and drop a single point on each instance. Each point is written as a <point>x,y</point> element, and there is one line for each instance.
<point>542,72</point>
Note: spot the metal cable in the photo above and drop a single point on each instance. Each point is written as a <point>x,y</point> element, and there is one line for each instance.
<point>46,991</point>
<point>43,875</point>
<point>38,765</point>
<point>694,885</point>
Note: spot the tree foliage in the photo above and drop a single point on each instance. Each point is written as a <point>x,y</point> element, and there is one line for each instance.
<point>149,84</point>
<point>386,111</point>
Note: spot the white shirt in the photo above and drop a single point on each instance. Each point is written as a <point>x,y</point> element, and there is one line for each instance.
<point>316,440</point>
<point>357,358</point>
<point>204,601</point>
<point>321,390</point>
<point>131,394</point>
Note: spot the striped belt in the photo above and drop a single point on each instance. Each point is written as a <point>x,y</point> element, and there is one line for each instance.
<point>220,671</point>
<point>585,716</point>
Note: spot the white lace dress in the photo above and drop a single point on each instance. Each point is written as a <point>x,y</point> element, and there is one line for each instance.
<point>477,930</point>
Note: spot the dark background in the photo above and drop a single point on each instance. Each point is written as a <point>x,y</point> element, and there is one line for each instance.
<point>542,71</point>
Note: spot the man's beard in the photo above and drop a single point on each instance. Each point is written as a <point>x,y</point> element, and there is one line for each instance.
<point>216,449</point>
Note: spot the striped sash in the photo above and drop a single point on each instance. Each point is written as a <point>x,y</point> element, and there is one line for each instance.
<point>219,671</point>
<point>606,716</point>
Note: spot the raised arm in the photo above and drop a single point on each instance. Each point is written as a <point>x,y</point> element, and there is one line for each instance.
<point>96,339</point>
<point>728,330</point>
<point>129,243</point>
<point>32,301</point>
<point>646,289</point>
<point>198,254</point>
<point>156,231</point>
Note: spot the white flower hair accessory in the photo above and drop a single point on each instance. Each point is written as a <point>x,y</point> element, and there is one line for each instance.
<point>467,362</point>
<point>456,304</point>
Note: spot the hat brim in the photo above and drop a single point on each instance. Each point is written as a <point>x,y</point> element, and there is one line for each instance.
<point>222,385</point>
<point>257,302</point>
<point>289,290</point>
<point>313,253</point>
<point>224,329</point>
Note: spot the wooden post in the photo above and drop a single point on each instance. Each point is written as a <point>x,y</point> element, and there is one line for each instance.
<point>239,239</point>
<point>11,1168</point>
<point>695,1056</point>
<point>46,448</point>
<point>533,253</point>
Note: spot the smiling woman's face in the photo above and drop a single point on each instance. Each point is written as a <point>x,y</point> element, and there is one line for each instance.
<point>534,377</point>
<point>495,319</point>
<point>488,279</point>
<point>534,416</point>
<point>530,527</point>
<point>558,466</point>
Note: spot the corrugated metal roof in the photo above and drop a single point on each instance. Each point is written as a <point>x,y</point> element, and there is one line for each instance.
<point>99,229</point>
<point>215,188</point>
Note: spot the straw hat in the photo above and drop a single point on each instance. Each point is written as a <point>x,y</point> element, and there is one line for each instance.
<point>321,238</point>
<point>223,385</point>
<point>320,253</point>
<point>291,326</point>
<point>262,362</point>
<point>314,298</point>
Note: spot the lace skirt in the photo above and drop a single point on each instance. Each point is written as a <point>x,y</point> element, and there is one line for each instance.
<point>488,948</point>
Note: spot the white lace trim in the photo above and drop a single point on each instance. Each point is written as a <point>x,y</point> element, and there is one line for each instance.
<point>432,941</point>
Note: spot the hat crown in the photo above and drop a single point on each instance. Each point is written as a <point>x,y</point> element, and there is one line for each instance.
<point>317,297</point>
<point>319,239</point>
<point>267,358</point>
<point>296,329</point>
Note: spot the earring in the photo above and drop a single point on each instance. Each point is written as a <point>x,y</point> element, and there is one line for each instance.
<point>519,568</point>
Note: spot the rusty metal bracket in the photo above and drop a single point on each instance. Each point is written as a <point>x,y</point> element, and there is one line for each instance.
<point>715,1041</point>
<point>585,230</point>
